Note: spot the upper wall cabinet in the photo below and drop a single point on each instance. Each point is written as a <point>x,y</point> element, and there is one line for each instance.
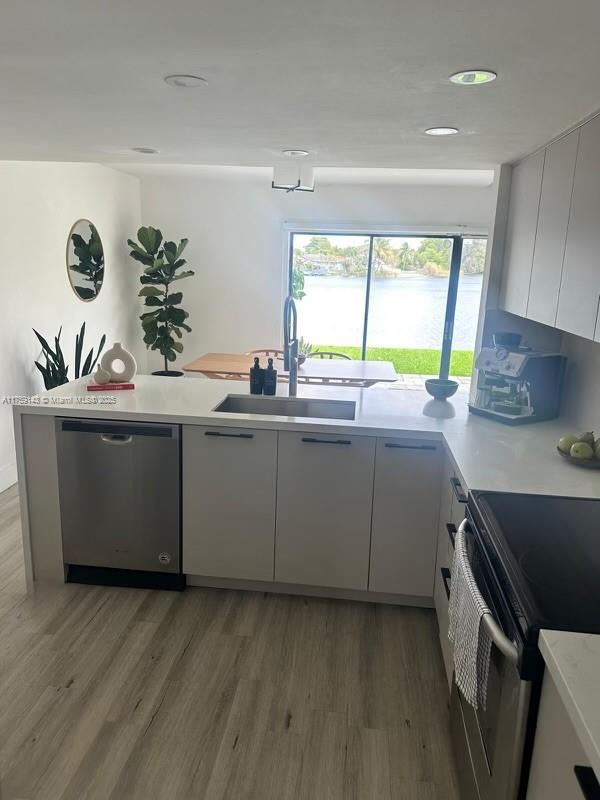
<point>525,194</point>
<point>555,204</point>
<point>580,284</point>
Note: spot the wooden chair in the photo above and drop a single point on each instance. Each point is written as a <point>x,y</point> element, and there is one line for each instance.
<point>271,352</point>
<point>328,354</point>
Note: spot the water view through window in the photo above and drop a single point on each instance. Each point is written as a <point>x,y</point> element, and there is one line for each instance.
<point>385,298</point>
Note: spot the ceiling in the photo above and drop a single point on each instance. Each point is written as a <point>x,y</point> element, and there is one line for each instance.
<point>355,82</point>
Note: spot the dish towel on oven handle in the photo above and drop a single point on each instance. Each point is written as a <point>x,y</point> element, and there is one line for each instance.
<point>472,645</point>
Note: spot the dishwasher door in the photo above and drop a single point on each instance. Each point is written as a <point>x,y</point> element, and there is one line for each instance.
<point>119,488</point>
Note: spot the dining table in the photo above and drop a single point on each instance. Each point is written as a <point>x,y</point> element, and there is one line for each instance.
<point>336,371</point>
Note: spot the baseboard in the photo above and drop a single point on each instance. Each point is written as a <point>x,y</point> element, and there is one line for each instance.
<point>8,476</point>
<point>310,591</point>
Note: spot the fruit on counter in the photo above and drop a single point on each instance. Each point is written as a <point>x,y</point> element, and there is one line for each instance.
<point>582,450</point>
<point>565,443</point>
<point>588,438</point>
<point>597,449</point>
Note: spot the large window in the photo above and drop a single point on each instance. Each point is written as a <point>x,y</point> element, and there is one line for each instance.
<point>406,299</point>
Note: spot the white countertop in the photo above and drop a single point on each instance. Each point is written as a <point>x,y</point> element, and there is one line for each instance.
<point>573,661</point>
<point>486,454</point>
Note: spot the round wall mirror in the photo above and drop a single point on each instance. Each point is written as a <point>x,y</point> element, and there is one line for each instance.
<point>85,260</point>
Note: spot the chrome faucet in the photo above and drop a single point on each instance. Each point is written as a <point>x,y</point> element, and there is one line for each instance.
<point>290,344</point>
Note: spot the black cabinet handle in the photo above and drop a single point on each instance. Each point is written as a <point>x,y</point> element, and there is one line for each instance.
<point>314,440</point>
<point>446,575</point>
<point>588,782</point>
<point>458,490</point>
<point>451,528</point>
<point>230,435</point>
<point>395,446</point>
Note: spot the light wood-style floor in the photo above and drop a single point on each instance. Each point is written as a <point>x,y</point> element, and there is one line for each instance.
<point>120,694</point>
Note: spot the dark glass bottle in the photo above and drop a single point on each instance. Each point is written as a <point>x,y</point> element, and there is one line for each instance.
<point>256,377</point>
<point>270,379</point>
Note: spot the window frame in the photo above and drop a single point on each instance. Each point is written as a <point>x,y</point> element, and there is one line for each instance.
<point>453,282</point>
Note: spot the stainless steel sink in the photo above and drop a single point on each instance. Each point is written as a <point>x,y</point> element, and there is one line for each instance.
<point>288,406</point>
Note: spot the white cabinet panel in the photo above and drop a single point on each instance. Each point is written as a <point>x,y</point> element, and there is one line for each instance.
<point>580,284</point>
<point>229,490</point>
<point>406,503</point>
<point>526,187</point>
<point>324,503</point>
<point>556,751</point>
<point>555,204</point>
<point>442,567</point>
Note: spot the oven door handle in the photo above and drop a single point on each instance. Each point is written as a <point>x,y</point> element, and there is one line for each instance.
<point>493,630</point>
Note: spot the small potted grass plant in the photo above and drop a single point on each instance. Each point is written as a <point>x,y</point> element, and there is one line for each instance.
<point>164,322</point>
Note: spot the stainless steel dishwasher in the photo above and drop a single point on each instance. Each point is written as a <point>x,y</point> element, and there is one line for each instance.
<point>120,505</point>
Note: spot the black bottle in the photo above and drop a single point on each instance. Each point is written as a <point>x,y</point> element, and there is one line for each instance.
<point>256,378</point>
<point>270,379</point>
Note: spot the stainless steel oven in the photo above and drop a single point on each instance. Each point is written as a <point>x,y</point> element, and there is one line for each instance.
<point>489,743</point>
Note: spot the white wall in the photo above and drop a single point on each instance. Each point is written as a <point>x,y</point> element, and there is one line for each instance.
<point>38,204</point>
<point>235,223</point>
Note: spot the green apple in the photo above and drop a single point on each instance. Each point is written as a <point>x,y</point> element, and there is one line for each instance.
<point>565,443</point>
<point>588,438</point>
<point>582,450</point>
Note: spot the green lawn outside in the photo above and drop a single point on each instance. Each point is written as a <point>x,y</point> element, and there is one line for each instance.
<point>410,361</point>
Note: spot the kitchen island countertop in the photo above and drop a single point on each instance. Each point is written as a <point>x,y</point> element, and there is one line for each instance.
<point>487,455</point>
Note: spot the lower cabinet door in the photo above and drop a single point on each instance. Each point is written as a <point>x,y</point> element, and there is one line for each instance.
<point>443,564</point>
<point>406,501</point>
<point>557,752</point>
<point>324,500</point>
<point>229,490</point>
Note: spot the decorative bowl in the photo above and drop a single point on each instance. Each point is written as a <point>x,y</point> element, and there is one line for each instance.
<point>586,463</point>
<point>441,389</point>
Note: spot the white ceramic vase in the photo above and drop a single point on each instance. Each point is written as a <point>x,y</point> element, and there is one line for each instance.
<point>118,353</point>
<point>101,376</point>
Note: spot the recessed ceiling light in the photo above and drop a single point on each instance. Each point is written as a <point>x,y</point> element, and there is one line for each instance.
<point>473,77</point>
<point>441,131</point>
<point>145,150</point>
<point>294,153</point>
<point>185,81</point>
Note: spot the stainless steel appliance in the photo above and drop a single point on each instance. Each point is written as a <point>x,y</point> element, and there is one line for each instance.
<point>518,386</point>
<point>536,561</point>
<point>119,489</point>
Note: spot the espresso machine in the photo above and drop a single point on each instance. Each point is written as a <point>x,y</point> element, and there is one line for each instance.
<point>516,385</point>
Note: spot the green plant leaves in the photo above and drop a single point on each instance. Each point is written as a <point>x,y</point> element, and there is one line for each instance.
<point>55,372</point>
<point>184,274</point>
<point>153,301</point>
<point>150,239</point>
<point>161,261</point>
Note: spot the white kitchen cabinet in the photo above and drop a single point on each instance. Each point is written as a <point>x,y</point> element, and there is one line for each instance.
<point>580,284</point>
<point>553,219</point>
<point>526,187</point>
<point>324,503</point>
<point>229,490</point>
<point>556,751</point>
<point>406,500</point>
<point>452,513</point>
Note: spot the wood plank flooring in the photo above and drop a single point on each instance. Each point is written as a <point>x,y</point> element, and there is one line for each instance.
<point>122,694</point>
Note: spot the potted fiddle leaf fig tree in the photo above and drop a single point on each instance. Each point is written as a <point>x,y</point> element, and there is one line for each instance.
<point>164,322</point>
